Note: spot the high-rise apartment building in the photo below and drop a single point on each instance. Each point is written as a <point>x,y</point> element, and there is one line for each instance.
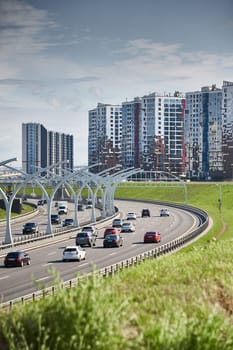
<point>163,132</point>
<point>203,133</point>
<point>104,136</point>
<point>146,133</point>
<point>42,148</point>
<point>227,128</point>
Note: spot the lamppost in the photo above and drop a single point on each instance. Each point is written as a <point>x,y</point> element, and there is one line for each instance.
<point>220,198</point>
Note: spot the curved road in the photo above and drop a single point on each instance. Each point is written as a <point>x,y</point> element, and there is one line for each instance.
<point>17,282</point>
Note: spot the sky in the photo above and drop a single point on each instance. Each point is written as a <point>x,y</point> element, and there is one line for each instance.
<point>59,59</point>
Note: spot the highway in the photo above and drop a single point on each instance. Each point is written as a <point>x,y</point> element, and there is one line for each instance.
<point>41,219</point>
<point>17,282</point>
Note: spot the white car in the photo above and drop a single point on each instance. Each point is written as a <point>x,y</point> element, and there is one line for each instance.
<point>164,212</point>
<point>91,229</point>
<point>131,216</point>
<point>74,253</point>
<point>127,227</point>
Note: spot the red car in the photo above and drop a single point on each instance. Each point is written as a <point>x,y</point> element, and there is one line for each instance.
<point>152,237</point>
<point>113,241</point>
<point>111,231</point>
<point>18,258</point>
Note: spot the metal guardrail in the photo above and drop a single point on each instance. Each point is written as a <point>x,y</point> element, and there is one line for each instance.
<point>133,261</point>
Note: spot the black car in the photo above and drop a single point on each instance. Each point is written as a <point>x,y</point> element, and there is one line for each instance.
<point>55,219</point>
<point>30,227</point>
<point>80,207</point>
<point>145,212</point>
<point>68,222</point>
<point>18,258</point>
<point>113,241</point>
<point>86,238</point>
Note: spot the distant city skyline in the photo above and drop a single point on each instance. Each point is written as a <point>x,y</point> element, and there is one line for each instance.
<point>58,61</point>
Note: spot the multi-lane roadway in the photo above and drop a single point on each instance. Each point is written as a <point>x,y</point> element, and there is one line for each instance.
<point>17,282</point>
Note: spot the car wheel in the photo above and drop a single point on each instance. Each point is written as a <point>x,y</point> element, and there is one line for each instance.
<point>21,264</point>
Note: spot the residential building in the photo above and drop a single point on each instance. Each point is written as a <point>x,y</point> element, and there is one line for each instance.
<point>146,133</point>
<point>104,136</point>
<point>203,133</point>
<point>227,127</point>
<point>42,148</point>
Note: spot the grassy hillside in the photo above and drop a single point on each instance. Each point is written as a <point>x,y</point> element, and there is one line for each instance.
<point>176,302</point>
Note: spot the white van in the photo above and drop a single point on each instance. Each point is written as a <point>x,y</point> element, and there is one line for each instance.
<point>62,209</point>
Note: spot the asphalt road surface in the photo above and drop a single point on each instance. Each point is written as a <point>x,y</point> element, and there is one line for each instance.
<point>16,282</point>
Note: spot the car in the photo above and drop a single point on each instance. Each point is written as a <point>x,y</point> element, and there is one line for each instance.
<point>17,258</point>
<point>89,206</point>
<point>164,212</point>
<point>131,216</point>
<point>73,253</point>
<point>55,219</point>
<point>30,227</point>
<point>91,229</point>
<point>112,240</point>
<point>40,202</point>
<point>152,237</point>
<point>127,226</point>
<point>62,210</point>
<point>85,238</point>
<point>145,212</point>
<point>80,207</point>
<point>117,222</point>
<point>111,230</point>
<point>68,222</point>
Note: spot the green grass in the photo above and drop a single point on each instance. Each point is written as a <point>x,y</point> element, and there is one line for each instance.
<point>181,301</point>
<point>27,208</point>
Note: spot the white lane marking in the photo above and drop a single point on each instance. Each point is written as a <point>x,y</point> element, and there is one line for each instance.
<point>4,277</point>
<point>47,264</point>
<point>84,264</point>
<point>42,278</point>
<point>112,254</point>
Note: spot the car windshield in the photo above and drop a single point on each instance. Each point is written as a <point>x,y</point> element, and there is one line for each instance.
<point>82,234</point>
<point>30,224</point>
<point>70,250</point>
<point>88,228</point>
<point>13,254</point>
<point>112,237</point>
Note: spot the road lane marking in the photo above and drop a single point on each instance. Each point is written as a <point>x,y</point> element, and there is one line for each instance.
<point>47,264</point>
<point>84,264</point>
<point>112,253</point>
<point>52,253</point>
<point>4,277</point>
<point>42,278</point>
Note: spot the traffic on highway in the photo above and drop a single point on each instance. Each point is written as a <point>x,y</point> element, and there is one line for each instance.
<point>19,281</point>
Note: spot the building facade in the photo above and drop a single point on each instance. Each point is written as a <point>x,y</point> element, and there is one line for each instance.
<point>203,133</point>
<point>146,133</point>
<point>42,148</point>
<point>227,127</point>
<point>104,136</point>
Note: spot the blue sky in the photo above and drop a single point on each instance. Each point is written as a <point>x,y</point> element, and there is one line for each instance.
<point>59,58</point>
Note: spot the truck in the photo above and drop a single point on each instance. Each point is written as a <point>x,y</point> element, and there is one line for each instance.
<point>62,207</point>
